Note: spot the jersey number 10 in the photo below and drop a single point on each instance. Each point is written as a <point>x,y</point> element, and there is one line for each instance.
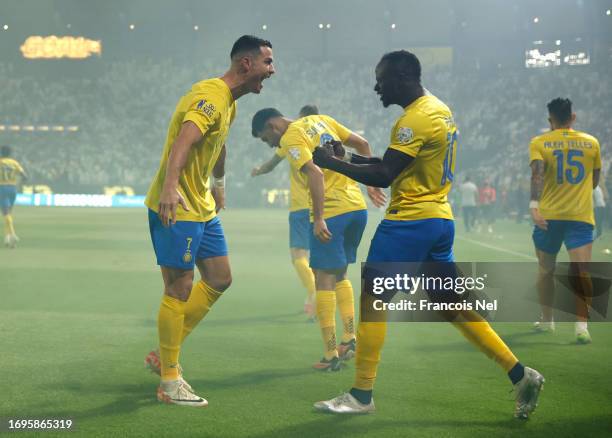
<point>568,174</point>
<point>448,168</point>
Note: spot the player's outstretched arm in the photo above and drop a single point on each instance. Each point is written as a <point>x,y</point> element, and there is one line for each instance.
<point>316,185</point>
<point>537,185</point>
<point>266,167</point>
<point>380,174</point>
<point>170,197</point>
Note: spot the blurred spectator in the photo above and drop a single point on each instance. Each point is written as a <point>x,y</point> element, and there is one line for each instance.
<point>469,195</point>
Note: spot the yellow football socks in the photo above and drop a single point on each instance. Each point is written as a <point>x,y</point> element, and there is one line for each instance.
<point>346,304</point>
<point>200,301</point>
<point>306,275</point>
<point>370,340</point>
<point>480,333</point>
<point>170,328</point>
<point>8,225</point>
<point>326,313</point>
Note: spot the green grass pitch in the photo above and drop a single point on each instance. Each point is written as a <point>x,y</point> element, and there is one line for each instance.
<point>79,301</point>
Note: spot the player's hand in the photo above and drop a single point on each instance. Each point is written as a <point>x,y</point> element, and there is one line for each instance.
<point>255,171</point>
<point>538,220</point>
<point>322,154</point>
<point>321,232</point>
<point>337,148</point>
<point>168,203</point>
<point>218,194</point>
<point>377,196</point>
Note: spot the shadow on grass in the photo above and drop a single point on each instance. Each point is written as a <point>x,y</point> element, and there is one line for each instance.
<point>337,426</point>
<point>286,318</point>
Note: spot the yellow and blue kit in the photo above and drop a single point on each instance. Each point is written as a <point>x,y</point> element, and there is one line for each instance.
<point>569,157</point>
<point>418,224</point>
<point>197,233</point>
<point>344,209</point>
<point>10,171</point>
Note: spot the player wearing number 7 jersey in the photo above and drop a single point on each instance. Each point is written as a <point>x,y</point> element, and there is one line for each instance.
<point>418,227</point>
<point>565,166</point>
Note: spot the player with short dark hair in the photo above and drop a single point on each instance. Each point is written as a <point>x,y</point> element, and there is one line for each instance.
<point>308,110</point>
<point>565,168</point>
<point>10,173</point>
<point>183,221</point>
<point>338,215</point>
<point>299,222</point>
<point>419,165</point>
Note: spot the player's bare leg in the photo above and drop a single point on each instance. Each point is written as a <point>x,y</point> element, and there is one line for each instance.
<point>583,288</point>
<point>546,290</point>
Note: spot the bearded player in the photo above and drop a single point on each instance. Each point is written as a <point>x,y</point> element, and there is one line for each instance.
<point>419,225</point>
<point>182,208</point>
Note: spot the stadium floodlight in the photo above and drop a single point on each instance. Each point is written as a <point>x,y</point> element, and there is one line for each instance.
<point>264,27</point>
<point>536,20</point>
<point>320,25</point>
<point>5,27</point>
<point>608,12</point>
<point>328,26</point>
<point>132,27</point>
<point>196,27</point>
<point>393,26</point>
<point>558,42</point>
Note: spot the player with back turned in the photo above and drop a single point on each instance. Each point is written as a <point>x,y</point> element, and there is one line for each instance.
<point>418,226</point>
<point>565,168</point>
<point>182,208</point>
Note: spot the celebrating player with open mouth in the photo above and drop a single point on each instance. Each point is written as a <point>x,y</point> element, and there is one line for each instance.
<point>418,226</point>
<point>182,208</point>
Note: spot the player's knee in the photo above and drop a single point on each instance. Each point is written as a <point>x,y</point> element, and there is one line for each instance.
<point>180,288</point>
<point>221,282</point>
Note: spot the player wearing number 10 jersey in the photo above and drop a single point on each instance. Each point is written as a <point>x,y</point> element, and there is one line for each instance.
<point>418,226</point>
<point>565,168</point>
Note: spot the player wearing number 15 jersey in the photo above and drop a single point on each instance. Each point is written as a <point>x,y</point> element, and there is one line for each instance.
<point>418,226</point>
<point>565,168</point>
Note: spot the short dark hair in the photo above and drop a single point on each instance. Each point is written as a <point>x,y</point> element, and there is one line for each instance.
<point>248,43</point>
<point>405,63</point>
<point>309,110</point>
<point>261,117</point>
<point>560,109</point>
<point>5,151</point>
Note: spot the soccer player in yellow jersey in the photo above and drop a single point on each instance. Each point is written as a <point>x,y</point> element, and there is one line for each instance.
<point>182,208</point>
<point>299,218</point>
<point>10,172</point>
<point>338,216</point>
<point>565,167</point>
<point>418,226</point>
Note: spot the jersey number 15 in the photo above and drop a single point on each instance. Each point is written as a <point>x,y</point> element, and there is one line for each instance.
<point>564,174</point>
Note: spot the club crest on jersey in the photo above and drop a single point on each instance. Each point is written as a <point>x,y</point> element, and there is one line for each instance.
<point>404,135</point>
<point>206,108</point>
<point>325,138</point>
<point>295,153</point>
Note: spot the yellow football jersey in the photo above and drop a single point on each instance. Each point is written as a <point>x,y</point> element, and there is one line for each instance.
<point>342,194</point>
<point>569,160</point>
<point>298,188</point>
<point>10,170</point>
<point>211,106</point>
<point>427,132</point>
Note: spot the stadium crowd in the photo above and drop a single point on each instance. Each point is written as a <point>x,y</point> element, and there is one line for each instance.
<point>122,115</point>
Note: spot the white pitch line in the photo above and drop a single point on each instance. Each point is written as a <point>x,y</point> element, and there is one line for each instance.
<point>497,248</point>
